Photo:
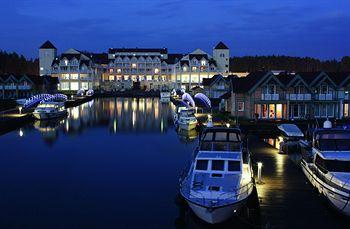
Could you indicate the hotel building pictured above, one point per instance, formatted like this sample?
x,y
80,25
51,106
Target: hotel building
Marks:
x,y
122,68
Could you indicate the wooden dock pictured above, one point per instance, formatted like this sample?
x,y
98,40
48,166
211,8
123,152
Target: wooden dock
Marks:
x,y
286,199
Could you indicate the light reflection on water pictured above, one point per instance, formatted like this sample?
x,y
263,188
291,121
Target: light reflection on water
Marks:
x,y
114,114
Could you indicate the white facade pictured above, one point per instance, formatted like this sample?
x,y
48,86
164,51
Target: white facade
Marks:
x,y
47,53
75,71
221,55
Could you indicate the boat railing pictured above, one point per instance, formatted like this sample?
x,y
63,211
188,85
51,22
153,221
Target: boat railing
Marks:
x,y
236,194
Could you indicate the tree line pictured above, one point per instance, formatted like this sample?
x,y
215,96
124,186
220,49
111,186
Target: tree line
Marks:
x,y
287,63
17,64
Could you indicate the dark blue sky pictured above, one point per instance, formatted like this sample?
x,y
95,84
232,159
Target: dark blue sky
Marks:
x,y
317,28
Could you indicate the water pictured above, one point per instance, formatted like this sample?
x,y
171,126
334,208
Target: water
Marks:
x,y
111,163
115,163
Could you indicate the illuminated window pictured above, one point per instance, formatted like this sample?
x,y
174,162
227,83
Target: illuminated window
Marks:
x,y
133,65
111,70
194,68
74,86
185,69
119,70
66,62
203,62
74,76
111,78
41,68
156,70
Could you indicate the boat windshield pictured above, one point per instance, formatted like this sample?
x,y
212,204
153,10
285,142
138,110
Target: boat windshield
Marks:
x,y
338,166
221,141
336,142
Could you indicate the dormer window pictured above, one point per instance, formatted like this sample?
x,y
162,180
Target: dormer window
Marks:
x,y
185,69
203,62
270,89
66,62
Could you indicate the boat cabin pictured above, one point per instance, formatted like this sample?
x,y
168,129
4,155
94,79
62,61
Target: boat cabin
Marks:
x,y
221,139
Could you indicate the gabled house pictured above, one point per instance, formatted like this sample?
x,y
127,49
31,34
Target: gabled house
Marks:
x,y
265,95
216,86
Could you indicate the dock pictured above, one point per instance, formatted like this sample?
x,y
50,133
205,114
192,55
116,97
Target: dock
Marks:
x,y
13,118
286,199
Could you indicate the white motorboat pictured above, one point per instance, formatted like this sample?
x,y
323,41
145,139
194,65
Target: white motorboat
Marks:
x,y
289,138
185,119
326,164
165,95
220,178
49,110
187,122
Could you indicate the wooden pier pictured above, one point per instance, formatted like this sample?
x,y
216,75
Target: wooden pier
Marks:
x,y
286,199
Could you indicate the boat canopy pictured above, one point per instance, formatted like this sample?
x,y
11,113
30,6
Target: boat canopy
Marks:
x,y
290,130
203,99
188,98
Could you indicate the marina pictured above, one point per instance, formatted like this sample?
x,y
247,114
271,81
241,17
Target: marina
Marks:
x,y
99,167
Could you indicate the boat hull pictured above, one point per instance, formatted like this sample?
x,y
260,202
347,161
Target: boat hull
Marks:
x,y
187,126
45,115
216,215
338,199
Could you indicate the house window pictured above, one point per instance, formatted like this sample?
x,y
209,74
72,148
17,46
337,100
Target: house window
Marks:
x,y
156,70
279,111
346,110
240,106
111,78
272,111
185,69
111,70
133,65
264,111
203,62
194,68
324,89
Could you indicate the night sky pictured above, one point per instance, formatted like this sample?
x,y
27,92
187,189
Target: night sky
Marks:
x,y
316,28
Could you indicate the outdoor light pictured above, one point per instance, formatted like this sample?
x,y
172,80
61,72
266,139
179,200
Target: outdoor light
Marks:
x,y
259,172
20,110
228,125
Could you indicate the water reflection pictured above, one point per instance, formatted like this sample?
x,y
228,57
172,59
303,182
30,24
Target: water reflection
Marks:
x,y
116,115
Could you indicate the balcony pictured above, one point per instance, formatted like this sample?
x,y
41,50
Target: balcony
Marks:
x,y
324,96
272,97
24,87
10,87
299,97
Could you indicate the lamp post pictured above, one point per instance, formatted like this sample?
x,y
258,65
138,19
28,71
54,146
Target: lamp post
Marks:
x,y
259,173
20,110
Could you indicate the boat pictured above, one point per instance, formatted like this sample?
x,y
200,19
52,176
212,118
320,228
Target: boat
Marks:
x,y
289,137
220,178
325,162
185,119
165,95
90,92
49,110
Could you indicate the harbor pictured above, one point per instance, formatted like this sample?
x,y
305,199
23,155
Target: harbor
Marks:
x,y
99,167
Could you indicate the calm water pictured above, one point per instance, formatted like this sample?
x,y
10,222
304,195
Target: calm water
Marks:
x,y
115,163
111,163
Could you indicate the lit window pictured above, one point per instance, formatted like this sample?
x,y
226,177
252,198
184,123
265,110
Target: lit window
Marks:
x,y
133,65
156,70
41,68
240,106
119,70
111,70
184,69
65,62
203,62
194,68
111,78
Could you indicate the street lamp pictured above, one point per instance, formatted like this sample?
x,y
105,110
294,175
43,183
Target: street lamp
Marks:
x,y
20,110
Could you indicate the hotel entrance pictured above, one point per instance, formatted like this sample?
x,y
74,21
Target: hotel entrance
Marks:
x,y
270,111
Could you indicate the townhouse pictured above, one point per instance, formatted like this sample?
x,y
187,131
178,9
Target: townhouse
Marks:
x,y
23,86
265,95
